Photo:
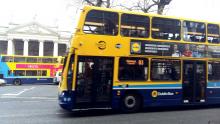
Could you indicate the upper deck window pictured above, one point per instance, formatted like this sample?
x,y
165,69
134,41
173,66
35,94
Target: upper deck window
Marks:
x,y
31,59
49,60
164,28
101,22
194,31
213,33
19,59
7,59
134,25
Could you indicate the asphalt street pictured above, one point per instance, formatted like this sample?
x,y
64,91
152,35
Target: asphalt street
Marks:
x,y
37,104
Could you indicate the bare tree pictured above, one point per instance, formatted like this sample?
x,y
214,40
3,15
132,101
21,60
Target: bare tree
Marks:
x,y
99,3
161,5
147,5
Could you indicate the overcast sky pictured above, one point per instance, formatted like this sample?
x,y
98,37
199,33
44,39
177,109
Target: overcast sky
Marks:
x,y
61,13
196,9
47,12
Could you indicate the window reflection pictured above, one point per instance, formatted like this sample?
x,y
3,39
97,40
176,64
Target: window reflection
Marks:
x,y
135,25
165,70
213,71
101,22
164,28
213,33
133,69
194,31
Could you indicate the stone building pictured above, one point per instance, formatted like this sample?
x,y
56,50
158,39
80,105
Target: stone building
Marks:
x,y
33,39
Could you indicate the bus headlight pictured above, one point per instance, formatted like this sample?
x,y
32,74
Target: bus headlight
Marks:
x,y
65,97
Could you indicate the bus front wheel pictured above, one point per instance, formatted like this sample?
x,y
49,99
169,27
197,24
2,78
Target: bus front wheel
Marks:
x,y
17,82
131,103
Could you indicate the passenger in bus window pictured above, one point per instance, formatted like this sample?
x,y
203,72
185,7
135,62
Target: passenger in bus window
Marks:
x,y
109,27
173,73
176,52
187,52
207,53
196,52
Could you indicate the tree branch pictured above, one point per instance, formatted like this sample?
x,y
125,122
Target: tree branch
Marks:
x,y
99,3
149,7
156,1
89,2
127,8
108,3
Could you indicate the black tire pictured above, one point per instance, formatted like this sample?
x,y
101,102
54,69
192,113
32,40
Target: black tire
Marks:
x,y
131,103
17,82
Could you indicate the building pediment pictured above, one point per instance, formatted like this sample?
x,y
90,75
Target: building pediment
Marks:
x,y
32,28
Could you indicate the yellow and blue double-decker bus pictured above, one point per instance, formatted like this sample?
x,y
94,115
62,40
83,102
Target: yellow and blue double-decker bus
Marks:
x,y
19,70
128,60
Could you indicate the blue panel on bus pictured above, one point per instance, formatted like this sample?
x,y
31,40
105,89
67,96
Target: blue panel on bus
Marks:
x,y
30,80
213,92
152,97
156,86
213,84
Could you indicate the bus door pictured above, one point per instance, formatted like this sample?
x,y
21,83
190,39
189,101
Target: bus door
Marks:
x,y
94,81
194,81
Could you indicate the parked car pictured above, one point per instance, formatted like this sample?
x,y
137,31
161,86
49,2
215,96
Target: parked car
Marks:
x,y
2,82
57,77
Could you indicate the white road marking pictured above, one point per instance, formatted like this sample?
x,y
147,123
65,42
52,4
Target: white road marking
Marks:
x,y
40,98
30,101
19,93
24,115
63,113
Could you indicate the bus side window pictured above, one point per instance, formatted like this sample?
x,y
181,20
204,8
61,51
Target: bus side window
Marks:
x,y
10,73
133,69
7,59
44,73
213,71
135,25
165,70
194,31
213,33
164,28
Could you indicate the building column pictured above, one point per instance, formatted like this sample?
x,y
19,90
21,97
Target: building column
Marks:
x,y
41,48
10,49
55,49
25,50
